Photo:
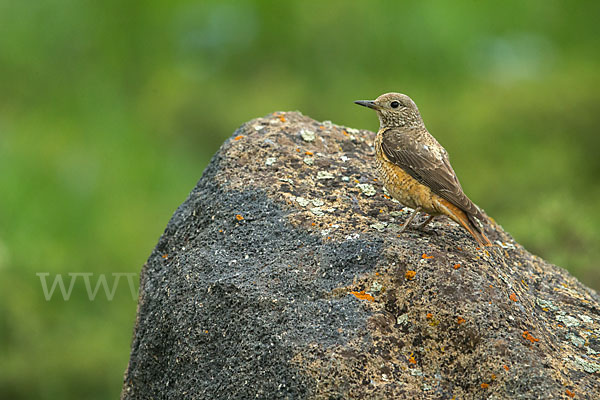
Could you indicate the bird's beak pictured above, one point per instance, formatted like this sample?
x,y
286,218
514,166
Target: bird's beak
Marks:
x,y
367,103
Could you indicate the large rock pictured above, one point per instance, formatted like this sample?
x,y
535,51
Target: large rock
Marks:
x,y
283,276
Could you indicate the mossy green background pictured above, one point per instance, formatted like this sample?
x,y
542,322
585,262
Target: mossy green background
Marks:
x,y
110,110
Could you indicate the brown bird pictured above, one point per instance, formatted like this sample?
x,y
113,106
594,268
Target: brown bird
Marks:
x,y
415,168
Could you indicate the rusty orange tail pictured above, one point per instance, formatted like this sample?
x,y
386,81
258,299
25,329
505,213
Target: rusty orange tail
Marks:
x,y
460,217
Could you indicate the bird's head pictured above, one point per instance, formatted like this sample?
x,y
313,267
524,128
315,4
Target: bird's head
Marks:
x,y
394,110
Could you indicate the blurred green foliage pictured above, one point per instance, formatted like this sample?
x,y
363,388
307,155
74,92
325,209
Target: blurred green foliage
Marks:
x,y
110,110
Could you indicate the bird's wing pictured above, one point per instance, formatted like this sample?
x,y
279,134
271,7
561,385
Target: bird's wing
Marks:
x,y
425,166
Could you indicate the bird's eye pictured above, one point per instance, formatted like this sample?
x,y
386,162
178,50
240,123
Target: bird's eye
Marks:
x,y
394,104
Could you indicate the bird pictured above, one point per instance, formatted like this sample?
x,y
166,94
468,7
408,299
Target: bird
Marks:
x,y
415,168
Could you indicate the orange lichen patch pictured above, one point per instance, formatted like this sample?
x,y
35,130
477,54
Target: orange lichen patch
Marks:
x,y
458,248
411,359
313,224
238,137
386,196
460,320
344,132
505,367
362,295
493,376
569,393
429,316
239,217
426,257
165,256
308,153
513,297
374,179
491,285
485,386
456,266
410,275
298,150
529,337
281,118
321,127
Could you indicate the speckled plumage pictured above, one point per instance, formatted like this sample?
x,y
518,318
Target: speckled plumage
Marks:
x,y
415,168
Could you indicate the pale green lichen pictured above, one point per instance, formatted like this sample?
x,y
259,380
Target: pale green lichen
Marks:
x,y
308,160
324,175
587,366
576,340
353,236
546,304
302,201
288,180
367,189
317,211
505,245
586,319
307,136
270,161
567,320
395,228
317,202
380,226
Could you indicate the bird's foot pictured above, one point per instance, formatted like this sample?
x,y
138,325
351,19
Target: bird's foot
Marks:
x,y
423,224
409,220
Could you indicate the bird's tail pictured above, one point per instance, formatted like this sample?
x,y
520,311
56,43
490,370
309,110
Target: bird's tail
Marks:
x,y
476,231
467,221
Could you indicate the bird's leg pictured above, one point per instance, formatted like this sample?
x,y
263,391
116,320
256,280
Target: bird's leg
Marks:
x,y
423,224
410,218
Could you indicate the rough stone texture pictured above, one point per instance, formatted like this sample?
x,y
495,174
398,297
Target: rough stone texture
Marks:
x,y
283,276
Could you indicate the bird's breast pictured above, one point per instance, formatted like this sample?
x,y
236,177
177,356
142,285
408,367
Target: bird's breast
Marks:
x,y
401,185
